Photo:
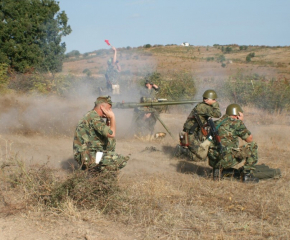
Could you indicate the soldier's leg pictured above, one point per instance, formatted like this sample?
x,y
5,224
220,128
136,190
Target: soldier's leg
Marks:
x,y
112,162
249,152
228,160
87,159
193,147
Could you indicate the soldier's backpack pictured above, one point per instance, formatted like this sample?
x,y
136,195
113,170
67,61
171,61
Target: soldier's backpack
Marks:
x,y
263,171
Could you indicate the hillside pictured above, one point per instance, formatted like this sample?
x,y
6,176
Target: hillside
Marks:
x,y
157,196
203,62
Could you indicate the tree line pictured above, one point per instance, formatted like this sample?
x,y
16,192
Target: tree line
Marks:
x,y
31,33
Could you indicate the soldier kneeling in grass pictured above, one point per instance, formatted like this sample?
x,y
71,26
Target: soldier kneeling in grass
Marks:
x,y
94,140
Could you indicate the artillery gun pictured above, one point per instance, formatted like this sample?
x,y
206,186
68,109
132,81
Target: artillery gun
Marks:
x,y
150,103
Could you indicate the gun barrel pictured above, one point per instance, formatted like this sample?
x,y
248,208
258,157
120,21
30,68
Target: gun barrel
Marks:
x,y
151,104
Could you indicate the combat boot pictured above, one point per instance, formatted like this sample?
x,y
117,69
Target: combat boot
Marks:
x,y
248,177
179,151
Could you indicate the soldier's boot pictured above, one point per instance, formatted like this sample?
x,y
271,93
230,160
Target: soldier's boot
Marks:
x,y
179,151
248,177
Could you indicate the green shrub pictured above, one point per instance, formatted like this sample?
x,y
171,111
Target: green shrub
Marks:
x,y
228,50
209,59
3,77
271,95
87,72
221,58
181,85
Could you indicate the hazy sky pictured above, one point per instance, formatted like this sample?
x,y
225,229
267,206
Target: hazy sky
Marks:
x,y
200,22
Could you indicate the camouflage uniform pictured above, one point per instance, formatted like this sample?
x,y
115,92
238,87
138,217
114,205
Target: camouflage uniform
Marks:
x,y
146,126
195,136
230,130
91,137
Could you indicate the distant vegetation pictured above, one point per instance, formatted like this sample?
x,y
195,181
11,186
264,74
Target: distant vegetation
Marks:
x,y
176,82
31,33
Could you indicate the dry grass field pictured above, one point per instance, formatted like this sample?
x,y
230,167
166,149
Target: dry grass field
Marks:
x,y
158,196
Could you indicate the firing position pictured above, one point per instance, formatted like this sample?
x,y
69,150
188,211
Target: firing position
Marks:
x,y
94,140
145,118
230,128
194,132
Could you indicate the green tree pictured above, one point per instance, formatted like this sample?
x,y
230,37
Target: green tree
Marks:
x,y
31,32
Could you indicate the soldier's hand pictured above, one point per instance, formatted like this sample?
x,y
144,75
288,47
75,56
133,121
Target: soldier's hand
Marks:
x,y
147,115
114,48
107,112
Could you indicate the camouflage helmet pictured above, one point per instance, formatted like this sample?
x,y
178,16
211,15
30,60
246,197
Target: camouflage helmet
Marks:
x,y
234,109
211,94
103,99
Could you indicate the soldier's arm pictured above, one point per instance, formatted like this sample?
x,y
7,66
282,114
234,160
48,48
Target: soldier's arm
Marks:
x,y
243,132
209,110
115,55
112,122
215,110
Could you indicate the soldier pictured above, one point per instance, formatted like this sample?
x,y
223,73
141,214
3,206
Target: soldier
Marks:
x,y
145,118
94,140
209,107
231,128
112,74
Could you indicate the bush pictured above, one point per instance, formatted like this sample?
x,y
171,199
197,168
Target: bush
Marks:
x,y
243,47
181,87
221,58
271,95
228,50
209,59
39,184
87,72
147,46
250,56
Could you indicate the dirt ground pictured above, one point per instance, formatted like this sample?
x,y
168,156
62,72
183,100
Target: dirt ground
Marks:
x,y
34,146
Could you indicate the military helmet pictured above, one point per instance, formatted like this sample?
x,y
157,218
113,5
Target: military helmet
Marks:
x,y
148,82
234,109
211,94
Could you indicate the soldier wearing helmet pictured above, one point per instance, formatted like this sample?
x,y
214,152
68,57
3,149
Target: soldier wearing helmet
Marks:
x,y
231,128
112,74
209,107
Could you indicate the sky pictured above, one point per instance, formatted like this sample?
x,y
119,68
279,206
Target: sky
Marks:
x,y
135,23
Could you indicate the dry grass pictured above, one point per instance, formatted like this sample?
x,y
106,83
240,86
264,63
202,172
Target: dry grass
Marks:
x,y
182,204
269,62
155,196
